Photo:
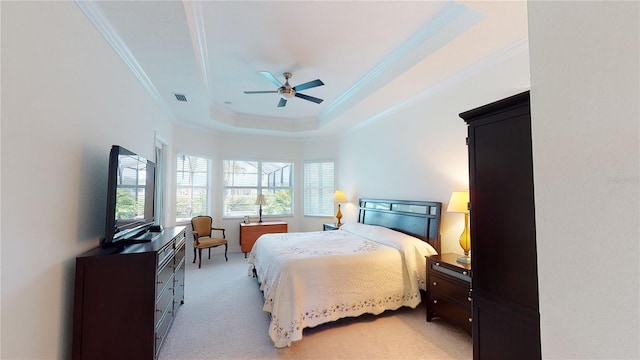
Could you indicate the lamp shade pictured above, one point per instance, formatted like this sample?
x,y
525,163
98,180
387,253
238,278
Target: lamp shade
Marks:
x,y
260,200
459,202
340,197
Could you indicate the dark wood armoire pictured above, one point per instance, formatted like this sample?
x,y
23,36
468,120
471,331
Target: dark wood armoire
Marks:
x,y
506,319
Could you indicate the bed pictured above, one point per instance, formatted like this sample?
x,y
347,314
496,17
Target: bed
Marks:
x,y
371,266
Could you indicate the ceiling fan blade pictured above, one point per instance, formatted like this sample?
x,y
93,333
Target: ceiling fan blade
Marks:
x,y
310,98
261,92
271,78
282,102
308,85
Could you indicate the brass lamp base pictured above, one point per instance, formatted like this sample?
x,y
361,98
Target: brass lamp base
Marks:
x,y
339,216
465,242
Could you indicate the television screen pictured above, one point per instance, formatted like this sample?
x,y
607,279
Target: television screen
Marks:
x,y
130,197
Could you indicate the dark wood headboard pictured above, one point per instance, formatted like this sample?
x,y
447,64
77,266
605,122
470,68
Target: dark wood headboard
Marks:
x,y
420,219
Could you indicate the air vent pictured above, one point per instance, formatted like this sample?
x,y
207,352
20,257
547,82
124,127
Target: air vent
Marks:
x,y
181,97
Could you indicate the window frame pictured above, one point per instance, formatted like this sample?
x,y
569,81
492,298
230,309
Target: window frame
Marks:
x,y
260,188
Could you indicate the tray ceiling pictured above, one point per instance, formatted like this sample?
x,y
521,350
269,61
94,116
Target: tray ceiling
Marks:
x,y
372,56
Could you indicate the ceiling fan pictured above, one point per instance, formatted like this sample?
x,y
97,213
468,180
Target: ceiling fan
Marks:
x,y
286,91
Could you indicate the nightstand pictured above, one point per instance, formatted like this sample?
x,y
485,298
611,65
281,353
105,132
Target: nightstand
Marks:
x,y
249,233
329,226
449,290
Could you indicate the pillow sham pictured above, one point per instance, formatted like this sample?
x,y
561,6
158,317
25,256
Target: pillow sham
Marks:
x,y
413,249
390,237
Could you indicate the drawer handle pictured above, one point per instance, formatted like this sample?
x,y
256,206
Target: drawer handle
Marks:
x,y
469,298
470,320
160,282
158,310
464,273
435,301
435,283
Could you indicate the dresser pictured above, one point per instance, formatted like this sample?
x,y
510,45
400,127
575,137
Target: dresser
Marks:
x,y
449,290
249,233
506,318
126,297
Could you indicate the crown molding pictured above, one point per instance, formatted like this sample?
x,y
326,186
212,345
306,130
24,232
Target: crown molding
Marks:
x,y
195,20
510,51
451,21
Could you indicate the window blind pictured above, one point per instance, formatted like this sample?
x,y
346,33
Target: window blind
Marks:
x,y
319,178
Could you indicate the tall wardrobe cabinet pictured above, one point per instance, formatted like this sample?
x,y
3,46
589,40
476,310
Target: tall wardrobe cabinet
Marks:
x,y
506,319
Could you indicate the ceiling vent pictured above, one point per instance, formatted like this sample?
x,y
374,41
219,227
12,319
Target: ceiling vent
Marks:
x,y
181,97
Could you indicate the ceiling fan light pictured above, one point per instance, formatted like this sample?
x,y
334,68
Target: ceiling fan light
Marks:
x,y
286,93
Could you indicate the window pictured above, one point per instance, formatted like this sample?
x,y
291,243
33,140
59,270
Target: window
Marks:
x,y
318,188
244,180
191,187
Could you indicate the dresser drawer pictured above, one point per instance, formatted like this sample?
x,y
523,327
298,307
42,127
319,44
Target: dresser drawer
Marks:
x,y
180,239
178,281
163,328
165,253
452,271
163,277
164,299
453,311
252,233
180,252
456,290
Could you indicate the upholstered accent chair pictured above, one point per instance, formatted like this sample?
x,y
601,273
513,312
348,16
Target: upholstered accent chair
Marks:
x,y
204,239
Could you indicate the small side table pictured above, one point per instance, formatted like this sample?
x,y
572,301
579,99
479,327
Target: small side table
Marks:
x,y
449,290
249,233
329,226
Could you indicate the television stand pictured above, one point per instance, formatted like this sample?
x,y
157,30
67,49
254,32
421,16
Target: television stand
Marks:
x,y
125,299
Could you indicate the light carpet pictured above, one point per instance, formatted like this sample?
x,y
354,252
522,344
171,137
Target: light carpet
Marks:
x,y
222,318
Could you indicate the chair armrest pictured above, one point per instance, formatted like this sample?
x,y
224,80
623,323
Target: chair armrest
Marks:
x,y
195,236
220,229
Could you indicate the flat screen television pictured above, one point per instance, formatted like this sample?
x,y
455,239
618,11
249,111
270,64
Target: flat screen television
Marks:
x,y
130,198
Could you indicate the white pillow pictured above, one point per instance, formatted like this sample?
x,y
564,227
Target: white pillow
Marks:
x,y
390,237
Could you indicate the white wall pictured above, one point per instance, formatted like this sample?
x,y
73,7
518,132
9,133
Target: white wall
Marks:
x,y
585,125
419,152
66,98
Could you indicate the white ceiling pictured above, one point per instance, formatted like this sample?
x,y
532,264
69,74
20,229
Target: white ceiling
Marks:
x,y
371,56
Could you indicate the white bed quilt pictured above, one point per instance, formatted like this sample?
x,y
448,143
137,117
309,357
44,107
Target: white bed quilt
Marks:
x,y
316,277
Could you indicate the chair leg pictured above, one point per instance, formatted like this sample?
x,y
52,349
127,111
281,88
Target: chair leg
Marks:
x,y
200,258
225,253
209,253
194,255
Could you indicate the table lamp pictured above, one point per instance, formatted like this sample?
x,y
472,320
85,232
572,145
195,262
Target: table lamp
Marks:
x,y
339,197
459,203
260,201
